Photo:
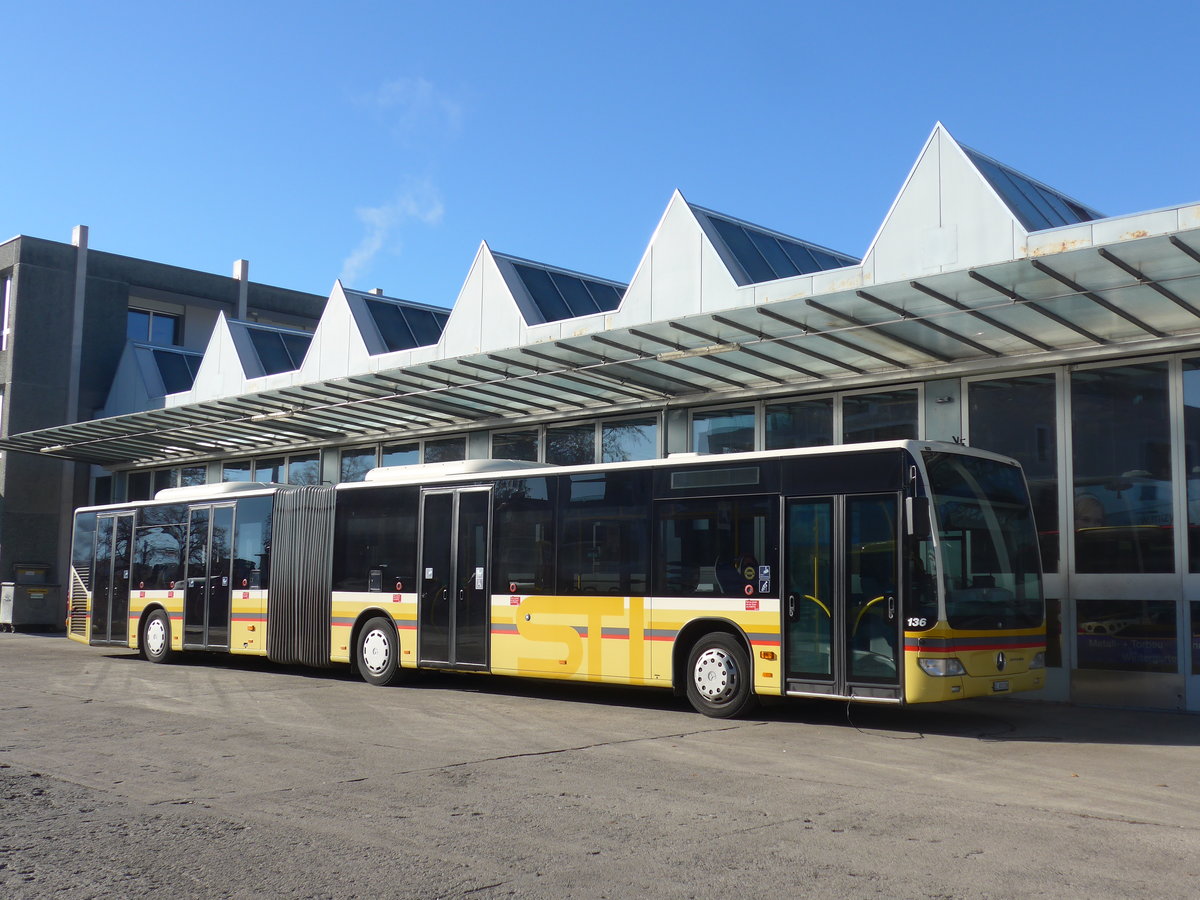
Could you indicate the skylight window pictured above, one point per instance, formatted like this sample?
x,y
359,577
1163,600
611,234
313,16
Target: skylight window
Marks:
x,y
279,351
1036,206
562,295
178,370
766,256
405,327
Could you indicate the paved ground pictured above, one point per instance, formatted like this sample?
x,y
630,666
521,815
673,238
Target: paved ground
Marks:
x,y
221,777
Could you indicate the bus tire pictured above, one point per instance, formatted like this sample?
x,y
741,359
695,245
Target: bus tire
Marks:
x,y
719,677
156,637
378,651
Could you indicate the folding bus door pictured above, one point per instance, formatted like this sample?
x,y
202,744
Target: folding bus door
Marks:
x,y
454,597
206,605
842,603
110,579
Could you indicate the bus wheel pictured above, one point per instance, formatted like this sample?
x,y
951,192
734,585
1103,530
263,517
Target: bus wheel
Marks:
x,y
378,654
719,677
156,638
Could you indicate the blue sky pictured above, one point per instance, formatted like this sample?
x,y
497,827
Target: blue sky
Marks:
x,y
380,142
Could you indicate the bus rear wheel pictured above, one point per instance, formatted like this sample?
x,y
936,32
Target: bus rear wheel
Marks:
x,y
378,655
719,677
156,638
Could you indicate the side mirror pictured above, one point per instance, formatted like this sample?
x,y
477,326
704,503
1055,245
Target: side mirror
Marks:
x,y
916,517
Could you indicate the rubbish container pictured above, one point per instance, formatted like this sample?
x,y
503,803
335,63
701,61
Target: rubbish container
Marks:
x,y
30,600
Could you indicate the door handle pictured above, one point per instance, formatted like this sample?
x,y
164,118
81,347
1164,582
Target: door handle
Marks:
x,y
791,606
891,607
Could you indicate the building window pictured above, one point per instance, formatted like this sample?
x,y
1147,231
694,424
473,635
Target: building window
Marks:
x,y
150,326
571,445
305,469
881,416
137,486
236,470
723,430
356,463
408,454
6,322
1191,455
446,450
190,476
628,440
799,423
1126,635
1121,449
516,445
1016,417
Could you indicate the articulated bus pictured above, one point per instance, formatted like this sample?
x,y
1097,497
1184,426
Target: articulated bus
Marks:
x,y
895,572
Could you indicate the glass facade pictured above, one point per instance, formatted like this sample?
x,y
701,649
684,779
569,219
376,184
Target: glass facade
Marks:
x,y
1126,635
1121,450
723,430
883,416
633,439
1191,455
1016,417
446,450
571,445
408,454
516,445
799,423
356,462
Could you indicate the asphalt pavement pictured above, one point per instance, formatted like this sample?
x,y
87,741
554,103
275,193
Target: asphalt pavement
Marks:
x,y
233,777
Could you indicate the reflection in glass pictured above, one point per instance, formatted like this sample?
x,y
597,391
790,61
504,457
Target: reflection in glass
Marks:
x,y
400,454
237,470
191,476
1196,637
516,445
988,544
627,440
1191,449
810,600
356,463
1126,635
723,430
1016,417
446,450
304,469
884,416
269,470
802,423
1121,448
571,445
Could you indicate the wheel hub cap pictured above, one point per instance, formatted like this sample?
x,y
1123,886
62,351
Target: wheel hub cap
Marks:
x,y
155,637
715,675
375,651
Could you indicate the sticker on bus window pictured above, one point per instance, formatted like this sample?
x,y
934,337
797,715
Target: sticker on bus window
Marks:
x,y
751,605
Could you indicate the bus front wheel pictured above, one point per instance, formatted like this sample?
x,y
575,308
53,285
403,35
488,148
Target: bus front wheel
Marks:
x,y
156,638
378,654
719,677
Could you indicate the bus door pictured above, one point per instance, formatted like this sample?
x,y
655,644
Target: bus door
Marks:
x,y
209,572
455,600
110,578
842,600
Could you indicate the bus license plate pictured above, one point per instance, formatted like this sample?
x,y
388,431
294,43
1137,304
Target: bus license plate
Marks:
x,y
999,686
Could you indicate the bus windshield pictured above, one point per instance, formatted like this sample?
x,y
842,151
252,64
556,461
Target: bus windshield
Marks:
x,y
989,553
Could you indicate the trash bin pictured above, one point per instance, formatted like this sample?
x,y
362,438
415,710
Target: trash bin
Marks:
x,y
29,600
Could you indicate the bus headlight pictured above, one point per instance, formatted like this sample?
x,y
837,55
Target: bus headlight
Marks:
x,y
1038,661
940,668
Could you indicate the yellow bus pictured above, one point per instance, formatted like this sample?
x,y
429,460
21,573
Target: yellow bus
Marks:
x,y
895,572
